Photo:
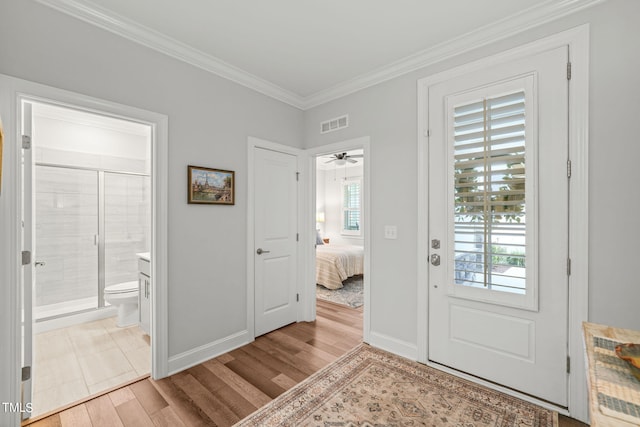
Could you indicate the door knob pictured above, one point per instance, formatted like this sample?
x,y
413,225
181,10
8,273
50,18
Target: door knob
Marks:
x,y
40,263
435,259
260,251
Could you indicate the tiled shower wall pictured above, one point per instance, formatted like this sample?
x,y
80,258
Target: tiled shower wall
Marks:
x,y
67,222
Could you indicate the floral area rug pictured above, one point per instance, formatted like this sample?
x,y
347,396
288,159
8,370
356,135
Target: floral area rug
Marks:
x,y
369,387
350,294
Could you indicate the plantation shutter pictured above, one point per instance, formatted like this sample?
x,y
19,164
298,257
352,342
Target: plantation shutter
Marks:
x,y
351,201
489,193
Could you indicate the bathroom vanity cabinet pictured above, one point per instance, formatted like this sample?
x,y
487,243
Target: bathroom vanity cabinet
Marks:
x,y
144,292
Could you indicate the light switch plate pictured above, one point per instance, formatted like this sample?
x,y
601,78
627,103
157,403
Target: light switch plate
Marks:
x,y
390,232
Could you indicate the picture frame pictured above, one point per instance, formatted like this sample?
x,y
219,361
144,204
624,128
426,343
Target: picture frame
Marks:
x,y
208,186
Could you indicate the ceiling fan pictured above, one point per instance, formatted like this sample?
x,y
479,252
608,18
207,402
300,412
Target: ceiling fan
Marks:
x,y
342,158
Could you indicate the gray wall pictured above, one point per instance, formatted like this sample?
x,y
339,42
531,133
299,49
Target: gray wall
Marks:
x,y
388,113
209,121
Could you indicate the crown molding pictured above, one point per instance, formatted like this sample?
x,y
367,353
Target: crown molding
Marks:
x,y
150,38
483,36
535,16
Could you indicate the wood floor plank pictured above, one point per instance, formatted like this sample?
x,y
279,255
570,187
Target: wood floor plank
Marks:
x,y
215,410
76,416
285,381
51,421
276,363
231,399
253,374
166,417
182,404
287,355
102,412
121,396
148,396
307,353
245,357
256,397
333,348
132,414
224,358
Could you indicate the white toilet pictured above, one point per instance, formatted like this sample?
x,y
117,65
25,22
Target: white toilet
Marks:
x,y
125,297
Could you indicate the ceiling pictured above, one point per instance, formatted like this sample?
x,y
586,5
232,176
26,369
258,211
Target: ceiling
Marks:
x,y
307,52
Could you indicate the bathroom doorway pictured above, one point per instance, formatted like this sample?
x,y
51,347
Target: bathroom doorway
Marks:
x,y
90,224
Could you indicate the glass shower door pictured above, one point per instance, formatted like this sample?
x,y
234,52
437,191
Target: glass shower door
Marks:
x,y
66,236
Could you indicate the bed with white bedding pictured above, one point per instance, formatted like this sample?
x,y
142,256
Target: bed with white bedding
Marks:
x,y
336,263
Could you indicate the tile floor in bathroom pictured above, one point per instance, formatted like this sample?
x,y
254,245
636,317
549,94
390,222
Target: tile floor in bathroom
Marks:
x,y
75,362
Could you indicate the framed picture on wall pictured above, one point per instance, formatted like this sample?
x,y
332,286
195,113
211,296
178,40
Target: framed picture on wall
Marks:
x,y
210,186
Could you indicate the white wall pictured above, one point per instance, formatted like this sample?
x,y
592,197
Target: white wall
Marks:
x,y
329,196
209,121
388,113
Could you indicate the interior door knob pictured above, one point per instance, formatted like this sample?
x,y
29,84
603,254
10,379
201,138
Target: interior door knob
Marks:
x,y
260,251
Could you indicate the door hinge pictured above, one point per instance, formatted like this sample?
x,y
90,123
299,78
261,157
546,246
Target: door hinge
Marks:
x,y
568,70
297,297
297,176
26,257
26,373
26,142
568,364
427,133
568,266
297,237
568,168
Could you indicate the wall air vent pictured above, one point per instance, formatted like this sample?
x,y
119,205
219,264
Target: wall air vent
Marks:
x,y
334,124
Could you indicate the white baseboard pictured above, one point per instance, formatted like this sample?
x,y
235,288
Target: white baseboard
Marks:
x,y
394,345
193,357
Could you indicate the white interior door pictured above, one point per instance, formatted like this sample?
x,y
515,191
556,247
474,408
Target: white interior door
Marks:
x,y
275,248
28,225
498,224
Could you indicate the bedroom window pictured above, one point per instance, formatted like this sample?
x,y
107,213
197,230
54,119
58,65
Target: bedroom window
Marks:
x,y
351,205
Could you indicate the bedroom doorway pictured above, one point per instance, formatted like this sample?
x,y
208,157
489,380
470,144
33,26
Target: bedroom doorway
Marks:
x,y
341,216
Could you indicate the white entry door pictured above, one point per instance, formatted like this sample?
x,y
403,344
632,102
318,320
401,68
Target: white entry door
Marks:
x,y
498,224
275,248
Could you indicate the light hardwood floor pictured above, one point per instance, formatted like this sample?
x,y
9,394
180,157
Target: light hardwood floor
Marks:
x,y
224,390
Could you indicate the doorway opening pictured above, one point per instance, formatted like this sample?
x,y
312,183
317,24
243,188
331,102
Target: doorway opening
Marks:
x,y
340,235
87,211
340,201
